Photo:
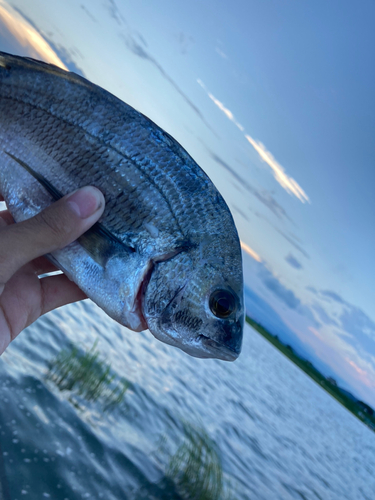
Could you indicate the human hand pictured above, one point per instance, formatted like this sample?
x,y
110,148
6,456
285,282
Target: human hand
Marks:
x,y
23,296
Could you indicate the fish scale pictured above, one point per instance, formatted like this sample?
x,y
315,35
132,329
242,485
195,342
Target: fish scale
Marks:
x,y
165,255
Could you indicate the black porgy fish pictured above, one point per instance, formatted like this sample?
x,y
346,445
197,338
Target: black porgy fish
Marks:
x,y
165,255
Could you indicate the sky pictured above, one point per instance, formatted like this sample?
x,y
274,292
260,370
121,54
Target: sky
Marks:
x,y
275,101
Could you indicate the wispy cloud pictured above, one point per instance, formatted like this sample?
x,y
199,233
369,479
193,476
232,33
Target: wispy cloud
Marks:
x,y
263,196
115,13
221,106
315,332
324,317
283,293
363,374
221,53
139,51
27,36
241,212
89,13
293,261
333,295
250,251
350,333
293,242
288,183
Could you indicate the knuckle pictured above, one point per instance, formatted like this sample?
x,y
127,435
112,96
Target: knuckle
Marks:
x,y
49,220
3,274
56,222
6,270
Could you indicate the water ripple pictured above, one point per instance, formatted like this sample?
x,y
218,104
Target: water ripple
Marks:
x,y
278,434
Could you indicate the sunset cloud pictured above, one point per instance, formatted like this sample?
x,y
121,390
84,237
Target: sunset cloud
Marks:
x,y
27,36
364,373
250,251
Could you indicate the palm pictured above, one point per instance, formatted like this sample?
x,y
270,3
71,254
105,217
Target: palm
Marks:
x,y
25,297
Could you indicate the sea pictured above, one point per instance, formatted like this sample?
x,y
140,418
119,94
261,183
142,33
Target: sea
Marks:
x,y
181,428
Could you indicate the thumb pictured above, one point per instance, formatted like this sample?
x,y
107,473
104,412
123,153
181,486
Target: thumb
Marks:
x,y
55,227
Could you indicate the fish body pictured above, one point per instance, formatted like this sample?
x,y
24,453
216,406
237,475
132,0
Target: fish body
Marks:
x,y
165,254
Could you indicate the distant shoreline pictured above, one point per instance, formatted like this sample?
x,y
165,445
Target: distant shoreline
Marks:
x,y
359,409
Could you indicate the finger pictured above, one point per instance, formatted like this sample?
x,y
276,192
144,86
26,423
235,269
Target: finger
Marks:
x,y
5,218
42,265
39,266
58,291
18,312
53,228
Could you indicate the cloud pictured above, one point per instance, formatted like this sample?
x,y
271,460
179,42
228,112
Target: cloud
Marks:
x,y
324,317
293,261
185,42
356,321
277,288
115,13
342,340
264,197
286,182
241,212
27,36
89,13
250,251
355,325
290,238
285,295
263,313
366,375
221,53
139,51
352,334
353,320
221,106
333,295
294,243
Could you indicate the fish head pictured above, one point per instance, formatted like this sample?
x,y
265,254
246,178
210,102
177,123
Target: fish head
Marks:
x,y
195,302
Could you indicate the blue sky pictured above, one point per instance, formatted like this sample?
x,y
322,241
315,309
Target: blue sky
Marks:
x,y
275,101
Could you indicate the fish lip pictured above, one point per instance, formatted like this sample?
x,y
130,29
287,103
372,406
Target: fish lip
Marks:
x,y
226,353
198,346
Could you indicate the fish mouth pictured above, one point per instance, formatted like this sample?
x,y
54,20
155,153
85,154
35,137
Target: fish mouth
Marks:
x,y
218,350
195,344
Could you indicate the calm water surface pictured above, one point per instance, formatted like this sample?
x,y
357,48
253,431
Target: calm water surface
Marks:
x,y
280,436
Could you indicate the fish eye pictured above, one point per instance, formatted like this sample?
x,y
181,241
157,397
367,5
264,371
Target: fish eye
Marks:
x,y
222,303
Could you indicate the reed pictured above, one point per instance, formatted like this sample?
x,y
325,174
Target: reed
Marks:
x,y
196,468
86,374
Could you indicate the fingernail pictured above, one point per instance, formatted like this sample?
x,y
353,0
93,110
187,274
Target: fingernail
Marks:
x,y
86,201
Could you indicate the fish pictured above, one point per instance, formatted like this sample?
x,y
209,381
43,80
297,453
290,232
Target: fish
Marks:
x,y
165,255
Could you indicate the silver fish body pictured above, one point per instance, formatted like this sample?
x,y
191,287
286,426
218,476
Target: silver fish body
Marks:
x,y
166,254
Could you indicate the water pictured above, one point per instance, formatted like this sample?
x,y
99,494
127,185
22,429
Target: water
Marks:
x,y
280,436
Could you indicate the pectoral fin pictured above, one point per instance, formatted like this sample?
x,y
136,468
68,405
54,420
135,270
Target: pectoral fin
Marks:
x,y
55,193
98,241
